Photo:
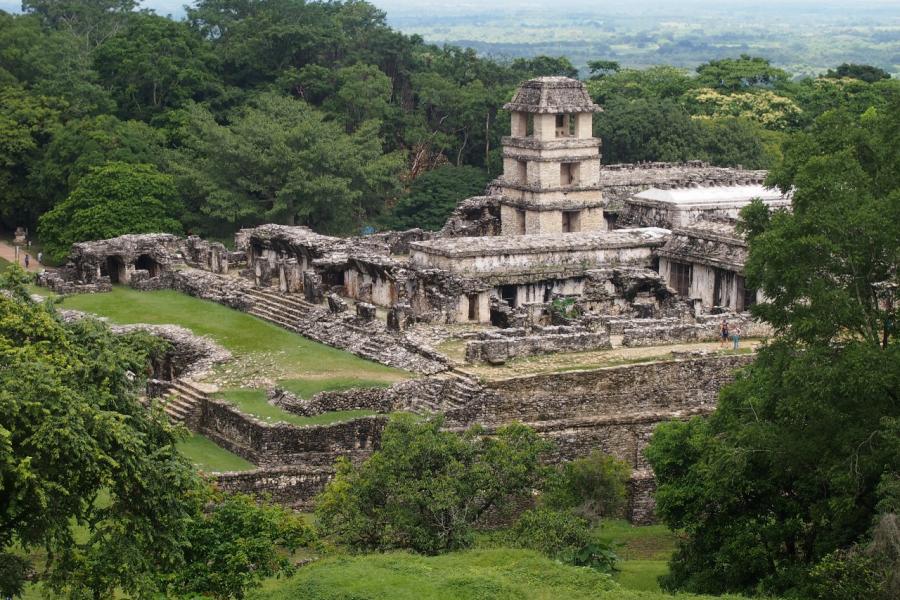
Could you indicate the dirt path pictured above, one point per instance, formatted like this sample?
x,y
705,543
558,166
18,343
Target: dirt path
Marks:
x,y
8,252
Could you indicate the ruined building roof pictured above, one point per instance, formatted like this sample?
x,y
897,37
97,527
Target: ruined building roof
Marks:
x,y
710,242
542,243
552,95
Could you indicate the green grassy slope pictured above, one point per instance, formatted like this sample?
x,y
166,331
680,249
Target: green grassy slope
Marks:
x,y
253,402
261,349
490,574
209,457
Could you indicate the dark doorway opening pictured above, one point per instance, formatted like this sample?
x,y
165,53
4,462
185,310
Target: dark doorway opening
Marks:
x,y
115,268
508,295
146,263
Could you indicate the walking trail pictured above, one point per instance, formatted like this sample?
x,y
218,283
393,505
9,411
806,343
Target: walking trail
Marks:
x,y
8,252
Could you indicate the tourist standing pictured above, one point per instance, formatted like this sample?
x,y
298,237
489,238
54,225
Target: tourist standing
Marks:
x,y
723,334
27,260
40,258
736,337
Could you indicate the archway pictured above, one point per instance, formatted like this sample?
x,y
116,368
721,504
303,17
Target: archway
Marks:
x,y
115,267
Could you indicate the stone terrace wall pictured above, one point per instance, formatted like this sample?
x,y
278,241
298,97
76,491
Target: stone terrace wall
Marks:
x,y
614,409
376,399
277,444
295,485
501,349
706,330
658,388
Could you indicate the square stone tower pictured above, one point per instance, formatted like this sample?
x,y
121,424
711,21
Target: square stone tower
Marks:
x,y
551,161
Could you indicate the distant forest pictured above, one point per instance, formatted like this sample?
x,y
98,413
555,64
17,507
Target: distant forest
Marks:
x,y
804,37
116,120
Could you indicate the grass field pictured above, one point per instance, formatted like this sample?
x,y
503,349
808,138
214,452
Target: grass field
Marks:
x,y
487,574
209,457
262,351
253,402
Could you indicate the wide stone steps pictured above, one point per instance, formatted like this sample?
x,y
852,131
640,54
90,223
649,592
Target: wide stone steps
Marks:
x,y
182,401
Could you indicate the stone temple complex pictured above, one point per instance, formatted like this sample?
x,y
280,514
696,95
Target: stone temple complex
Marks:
x,y
561,255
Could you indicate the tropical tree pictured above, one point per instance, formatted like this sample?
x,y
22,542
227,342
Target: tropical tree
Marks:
x,y
798,465
112,200
426,488
93,477
280,159
433,196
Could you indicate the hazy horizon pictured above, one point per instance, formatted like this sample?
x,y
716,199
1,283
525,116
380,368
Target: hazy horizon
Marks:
x,y
805,37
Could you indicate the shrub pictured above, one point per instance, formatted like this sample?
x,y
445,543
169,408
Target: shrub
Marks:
x,y
594,486
426,488
562,535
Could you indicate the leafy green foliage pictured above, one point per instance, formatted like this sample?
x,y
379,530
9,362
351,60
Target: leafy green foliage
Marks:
x,y
433,196
71,427
866,73
562,535
829,268
26,123
92,142
279,159
112,200
594,486
77,448
801,457
785,471
555,533
236,545
426,488
734,74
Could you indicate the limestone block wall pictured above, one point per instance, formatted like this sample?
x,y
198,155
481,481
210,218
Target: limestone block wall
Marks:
x,y
660,389
500,350
267,444
291,485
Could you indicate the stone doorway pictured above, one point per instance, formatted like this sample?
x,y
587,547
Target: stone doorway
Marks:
x,y
146,263
115,268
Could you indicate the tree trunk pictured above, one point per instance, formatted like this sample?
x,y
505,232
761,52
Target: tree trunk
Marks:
x,y
487,142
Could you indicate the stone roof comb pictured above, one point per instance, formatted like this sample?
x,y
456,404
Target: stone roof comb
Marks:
x,y
552,95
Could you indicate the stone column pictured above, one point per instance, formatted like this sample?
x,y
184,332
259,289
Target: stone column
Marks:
x,y
312,287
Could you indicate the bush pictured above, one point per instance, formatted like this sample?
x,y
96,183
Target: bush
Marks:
x,y
594,486
564,536
426,488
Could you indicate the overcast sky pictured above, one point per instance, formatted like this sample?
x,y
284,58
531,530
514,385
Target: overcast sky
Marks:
x,y
175,7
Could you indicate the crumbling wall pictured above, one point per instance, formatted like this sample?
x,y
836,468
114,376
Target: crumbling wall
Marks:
x,y
291,485
498,349
277,444
474,217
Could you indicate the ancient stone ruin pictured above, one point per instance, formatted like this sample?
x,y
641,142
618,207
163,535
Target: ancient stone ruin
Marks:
x,y
559,256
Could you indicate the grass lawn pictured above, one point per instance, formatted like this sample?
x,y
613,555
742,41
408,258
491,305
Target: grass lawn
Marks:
x,y
307,388
644,552
487,574
261,350
209,457
253,402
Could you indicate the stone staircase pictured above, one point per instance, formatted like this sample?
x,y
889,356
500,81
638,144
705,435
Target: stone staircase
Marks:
x,y
280,309
182,403
368,340
450,390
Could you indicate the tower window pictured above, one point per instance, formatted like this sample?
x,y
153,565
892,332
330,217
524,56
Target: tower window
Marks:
x,y
568,173
571,221
520,221
522,171
564,125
